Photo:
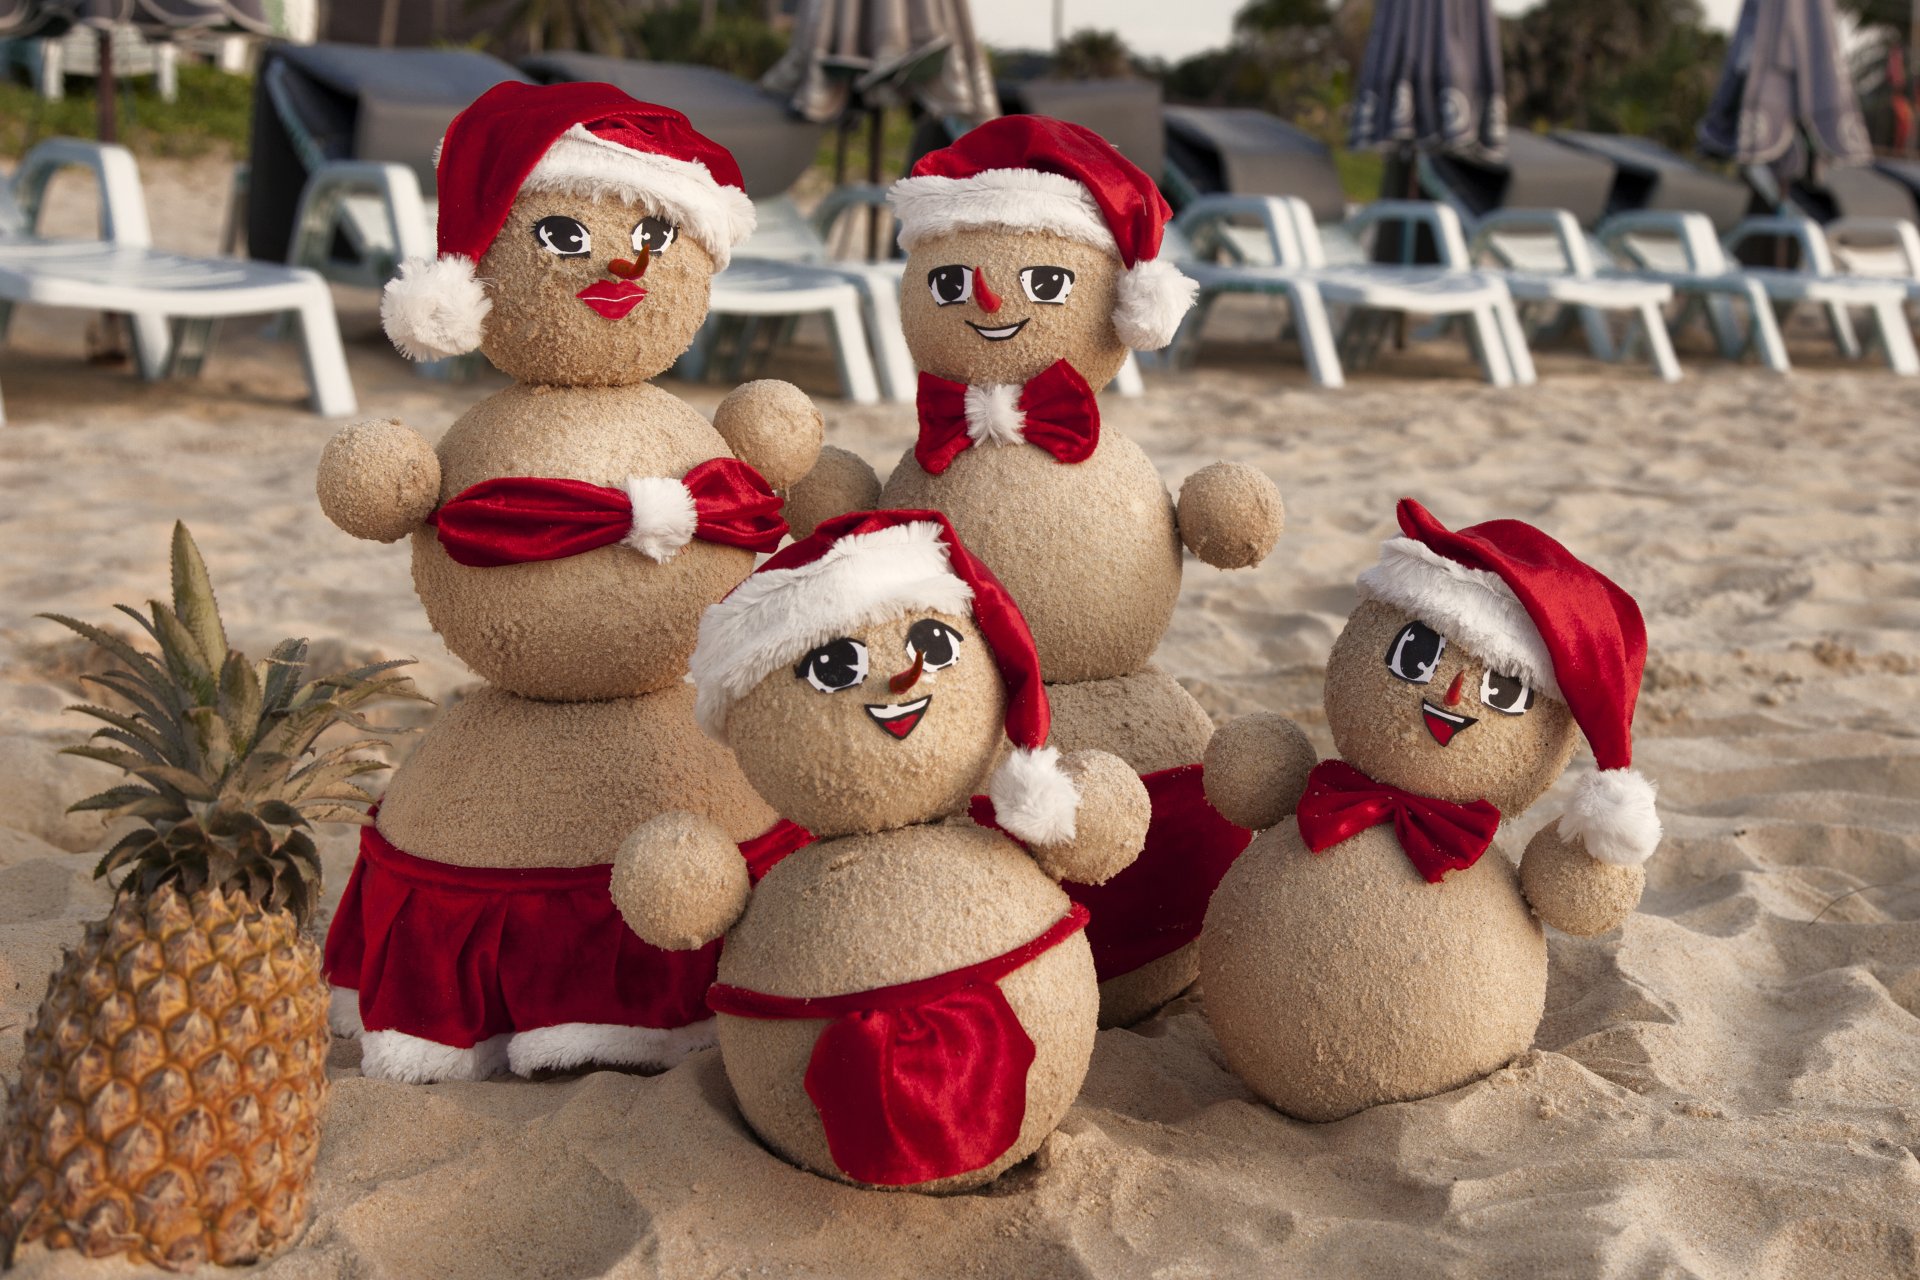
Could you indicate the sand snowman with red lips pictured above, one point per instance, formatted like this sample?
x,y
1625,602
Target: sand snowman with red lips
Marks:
x,y
908,1001
1032,267
566,535
1372,946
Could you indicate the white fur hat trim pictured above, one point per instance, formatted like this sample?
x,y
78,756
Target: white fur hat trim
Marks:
x,y
433,309
684,192
1470,607
1613,817
777,615
1033,798
664,517
1153,294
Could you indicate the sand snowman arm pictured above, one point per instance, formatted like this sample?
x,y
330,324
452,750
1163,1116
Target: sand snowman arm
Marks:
x,y
1109,822
679,881
378,480
840,481
772,427
1256,769
1230,515
1574,891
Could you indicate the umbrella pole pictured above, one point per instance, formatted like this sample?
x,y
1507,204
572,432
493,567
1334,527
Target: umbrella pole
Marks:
x,y
876,128
104,122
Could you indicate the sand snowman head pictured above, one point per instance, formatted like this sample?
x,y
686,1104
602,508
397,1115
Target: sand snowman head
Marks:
x,y
870,676
1475,660
578,232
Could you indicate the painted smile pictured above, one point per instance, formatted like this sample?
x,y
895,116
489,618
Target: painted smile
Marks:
x,y
1444,724
1000,334
612,298
900,718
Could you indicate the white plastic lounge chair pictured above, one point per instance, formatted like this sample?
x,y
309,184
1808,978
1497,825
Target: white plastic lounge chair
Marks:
x,y
1544,257
1885,248
1682,250
172,300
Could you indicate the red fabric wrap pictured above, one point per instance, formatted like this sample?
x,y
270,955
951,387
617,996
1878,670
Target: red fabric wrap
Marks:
x,y
1057,408
517,519
1157,905
917,1081
457,955
1437,836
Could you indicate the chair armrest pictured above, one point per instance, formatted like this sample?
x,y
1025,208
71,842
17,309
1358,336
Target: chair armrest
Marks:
x,y
1693,231
123,207
1815,257
834,205
1558,223
397,189
1275,215
1448,236
1901,231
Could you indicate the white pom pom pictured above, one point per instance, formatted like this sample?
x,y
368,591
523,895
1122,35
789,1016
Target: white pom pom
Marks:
x,y
1033,799
664,517
434,309
1153,298
1612,815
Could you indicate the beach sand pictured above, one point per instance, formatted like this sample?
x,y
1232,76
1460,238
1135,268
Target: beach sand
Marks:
x,y
1725,1088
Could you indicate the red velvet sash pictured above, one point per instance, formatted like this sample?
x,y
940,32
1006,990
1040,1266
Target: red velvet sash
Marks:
x,y
921,1080
519,519
765,851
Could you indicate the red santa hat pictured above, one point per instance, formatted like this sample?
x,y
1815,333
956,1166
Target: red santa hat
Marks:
x,y
1034,173
590,139
1523,604
865,567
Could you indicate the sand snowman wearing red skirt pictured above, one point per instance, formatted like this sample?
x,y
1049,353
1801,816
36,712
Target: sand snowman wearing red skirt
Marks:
x,y
1032,268
1373,946
566,535
909,1001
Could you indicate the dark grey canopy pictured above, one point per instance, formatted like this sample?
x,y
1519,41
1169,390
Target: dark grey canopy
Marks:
x,y
1785,87
1431,78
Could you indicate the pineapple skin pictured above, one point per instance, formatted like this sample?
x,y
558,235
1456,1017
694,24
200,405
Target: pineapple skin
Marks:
x,y
172,1087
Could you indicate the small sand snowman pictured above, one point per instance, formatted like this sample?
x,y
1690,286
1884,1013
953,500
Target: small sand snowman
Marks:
x,y
1032,268
1367,951
909,1001
566,534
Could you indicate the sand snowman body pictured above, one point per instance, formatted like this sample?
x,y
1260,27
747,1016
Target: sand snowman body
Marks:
x,y
1392,988
865,912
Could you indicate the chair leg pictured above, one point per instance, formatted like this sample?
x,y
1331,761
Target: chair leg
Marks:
x,y
1653,325
1840,325
325,359
192,344
1491,346
1519,355
1726,325
1317,345
899,380
850,352
1896,338
1764,330
6,318
692,364
152,344
1127,380
1593,322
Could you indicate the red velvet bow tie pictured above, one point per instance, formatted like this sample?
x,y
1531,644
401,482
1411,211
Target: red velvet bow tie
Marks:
x,y
516,519
1055,411
1437,836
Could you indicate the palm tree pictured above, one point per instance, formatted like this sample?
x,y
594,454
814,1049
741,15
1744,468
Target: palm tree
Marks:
x,y
1093,55
594,26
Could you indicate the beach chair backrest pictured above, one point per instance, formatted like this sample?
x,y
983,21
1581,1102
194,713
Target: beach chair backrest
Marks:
x,y
781,233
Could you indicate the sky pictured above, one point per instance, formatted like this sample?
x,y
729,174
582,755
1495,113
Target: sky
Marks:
x,y
1169,28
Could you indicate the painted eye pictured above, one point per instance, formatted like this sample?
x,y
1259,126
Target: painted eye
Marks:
x,y
1046,284
936,642
835,665
654,234
950,284
562,237
1509,695
1415,652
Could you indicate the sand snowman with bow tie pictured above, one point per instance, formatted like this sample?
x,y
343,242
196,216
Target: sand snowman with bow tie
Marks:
x,y
566,532
1033,266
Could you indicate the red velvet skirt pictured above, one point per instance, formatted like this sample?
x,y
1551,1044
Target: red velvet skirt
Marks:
x,y
457,955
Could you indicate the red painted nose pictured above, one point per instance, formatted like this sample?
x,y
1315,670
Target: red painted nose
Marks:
x,y
1453,690
989,300
911,676
634,269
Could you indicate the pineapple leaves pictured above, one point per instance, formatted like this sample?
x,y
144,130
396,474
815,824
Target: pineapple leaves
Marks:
x,y
229,781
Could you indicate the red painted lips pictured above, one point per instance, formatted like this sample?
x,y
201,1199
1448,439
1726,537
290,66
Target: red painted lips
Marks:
x,y
1444,724
612,298
899,719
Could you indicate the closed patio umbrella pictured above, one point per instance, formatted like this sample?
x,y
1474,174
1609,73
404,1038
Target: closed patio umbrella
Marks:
x,y
1785,97
1431,79
846,53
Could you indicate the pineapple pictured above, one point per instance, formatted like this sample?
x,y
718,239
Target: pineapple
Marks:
x,y
174,1078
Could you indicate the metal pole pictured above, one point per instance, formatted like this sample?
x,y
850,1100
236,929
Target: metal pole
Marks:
x,y
1060,23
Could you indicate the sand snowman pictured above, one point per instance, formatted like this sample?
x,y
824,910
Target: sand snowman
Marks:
x,y
567,532
1369,950
1032,268
909,1001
